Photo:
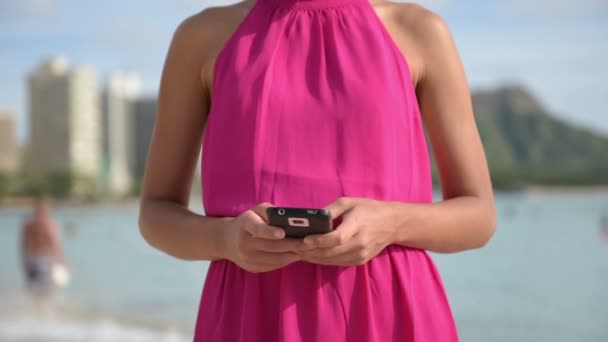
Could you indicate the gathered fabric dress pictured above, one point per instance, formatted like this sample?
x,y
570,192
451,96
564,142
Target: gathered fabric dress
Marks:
x,y
313,101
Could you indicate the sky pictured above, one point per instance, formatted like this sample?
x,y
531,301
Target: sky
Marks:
x,y
558,49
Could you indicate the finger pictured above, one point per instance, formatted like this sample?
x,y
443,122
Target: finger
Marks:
x,y
339,207
326,262
280,246
260,209
255,227
349,258
331,262
264,231
339,236
326,253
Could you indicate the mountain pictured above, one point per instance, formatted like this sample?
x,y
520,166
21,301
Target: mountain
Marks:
x,y
525,144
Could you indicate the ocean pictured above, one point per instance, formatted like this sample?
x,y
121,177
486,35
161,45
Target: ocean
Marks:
x,y
543,277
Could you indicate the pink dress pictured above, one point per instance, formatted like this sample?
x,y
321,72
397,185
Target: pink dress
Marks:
x,y
313,101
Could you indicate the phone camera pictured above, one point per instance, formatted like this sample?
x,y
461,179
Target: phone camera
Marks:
x,y
281,211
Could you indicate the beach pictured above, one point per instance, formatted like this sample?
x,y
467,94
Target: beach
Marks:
x,y
542,278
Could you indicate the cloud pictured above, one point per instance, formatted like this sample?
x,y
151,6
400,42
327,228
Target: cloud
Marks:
x,y
563,61
200,4
26,10
432,4
194,4
134,35
555,8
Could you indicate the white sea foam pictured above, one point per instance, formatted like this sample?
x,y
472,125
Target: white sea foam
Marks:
x,y
32,328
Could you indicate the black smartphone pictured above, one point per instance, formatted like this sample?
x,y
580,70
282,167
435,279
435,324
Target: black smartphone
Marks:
x,y
300,222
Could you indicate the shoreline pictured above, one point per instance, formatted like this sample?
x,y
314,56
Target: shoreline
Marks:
x,y
128,202
564,189
132,201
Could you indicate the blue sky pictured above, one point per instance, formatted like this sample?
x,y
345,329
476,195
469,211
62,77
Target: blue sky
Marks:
x,y
556,48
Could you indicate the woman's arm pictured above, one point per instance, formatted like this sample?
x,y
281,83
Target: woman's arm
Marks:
x,y
165,221
467,216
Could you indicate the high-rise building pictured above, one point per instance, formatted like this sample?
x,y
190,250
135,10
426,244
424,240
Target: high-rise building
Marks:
x,y
64,121
9,155
117,127
144,111
144,117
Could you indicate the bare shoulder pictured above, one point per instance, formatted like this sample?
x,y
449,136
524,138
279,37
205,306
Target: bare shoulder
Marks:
x,y
422,34
212,23
205,33
217,17
420,23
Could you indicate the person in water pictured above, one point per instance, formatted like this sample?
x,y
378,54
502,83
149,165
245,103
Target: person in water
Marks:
x,y
604,227
43,258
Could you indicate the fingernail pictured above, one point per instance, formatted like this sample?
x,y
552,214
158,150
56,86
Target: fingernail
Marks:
x,y
278,234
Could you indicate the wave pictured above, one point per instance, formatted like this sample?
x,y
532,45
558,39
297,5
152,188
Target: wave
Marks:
x,y
55,329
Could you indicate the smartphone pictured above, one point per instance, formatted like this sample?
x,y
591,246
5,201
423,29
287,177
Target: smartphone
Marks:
x,y
300,222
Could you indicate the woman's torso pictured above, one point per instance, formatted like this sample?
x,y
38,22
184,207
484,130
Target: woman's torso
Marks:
x,y
310,106
398,18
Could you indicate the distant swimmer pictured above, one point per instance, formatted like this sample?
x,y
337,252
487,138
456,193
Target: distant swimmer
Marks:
x,y
42,254
71,229
604,227
510,212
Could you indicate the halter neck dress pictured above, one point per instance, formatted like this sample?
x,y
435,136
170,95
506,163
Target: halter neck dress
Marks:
x,y
312,101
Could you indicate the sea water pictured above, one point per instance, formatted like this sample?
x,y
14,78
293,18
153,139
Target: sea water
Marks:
x,y
543,277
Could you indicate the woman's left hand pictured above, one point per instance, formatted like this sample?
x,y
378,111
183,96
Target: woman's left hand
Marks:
x,y
367,227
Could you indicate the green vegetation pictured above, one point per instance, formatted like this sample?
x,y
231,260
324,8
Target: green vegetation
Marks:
x,y
136,189
55,184
5,185
137,186
526,145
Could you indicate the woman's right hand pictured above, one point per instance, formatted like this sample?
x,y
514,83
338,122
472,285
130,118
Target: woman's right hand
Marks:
x,y
257,247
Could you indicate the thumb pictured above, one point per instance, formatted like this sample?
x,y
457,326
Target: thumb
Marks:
x,y
340,207
261,210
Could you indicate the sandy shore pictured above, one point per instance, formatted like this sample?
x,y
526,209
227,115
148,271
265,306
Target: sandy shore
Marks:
x,y
600,189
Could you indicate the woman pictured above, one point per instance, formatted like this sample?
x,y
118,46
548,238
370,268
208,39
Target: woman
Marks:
x,y
311,103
